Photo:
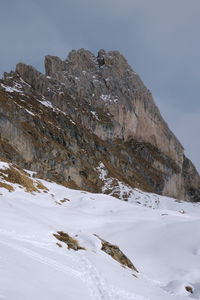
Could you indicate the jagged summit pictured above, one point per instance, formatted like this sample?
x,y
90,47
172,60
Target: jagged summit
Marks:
x,y
102,80
88,114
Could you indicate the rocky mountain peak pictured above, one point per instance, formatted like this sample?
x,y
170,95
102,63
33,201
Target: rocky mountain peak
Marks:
x,y
53,64
84,61
89,111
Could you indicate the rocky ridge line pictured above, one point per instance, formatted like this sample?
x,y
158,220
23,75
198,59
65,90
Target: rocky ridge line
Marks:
x,y
89,110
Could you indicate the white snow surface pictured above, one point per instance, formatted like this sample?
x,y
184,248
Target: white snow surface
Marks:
x,y
108,98
161,241
28,111
95,115
47,103
16,88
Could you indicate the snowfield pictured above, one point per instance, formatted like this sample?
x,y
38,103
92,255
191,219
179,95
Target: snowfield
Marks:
x,y
158,234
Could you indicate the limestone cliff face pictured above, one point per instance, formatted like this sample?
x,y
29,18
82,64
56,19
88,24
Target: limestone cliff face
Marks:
x,y
86,110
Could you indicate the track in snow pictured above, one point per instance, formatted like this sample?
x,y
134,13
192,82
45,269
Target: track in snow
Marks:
x,y
44,260
98,288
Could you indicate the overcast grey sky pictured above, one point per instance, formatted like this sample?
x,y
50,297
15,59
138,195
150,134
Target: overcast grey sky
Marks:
x,y
159,38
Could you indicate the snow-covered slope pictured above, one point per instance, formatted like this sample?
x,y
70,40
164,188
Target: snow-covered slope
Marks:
x,y
158,234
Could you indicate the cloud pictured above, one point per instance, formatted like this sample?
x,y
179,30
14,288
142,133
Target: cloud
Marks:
x,y
27,35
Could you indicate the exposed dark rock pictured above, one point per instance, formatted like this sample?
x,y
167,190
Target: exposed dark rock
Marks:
x,y
115,252
68,240
189,289
86,110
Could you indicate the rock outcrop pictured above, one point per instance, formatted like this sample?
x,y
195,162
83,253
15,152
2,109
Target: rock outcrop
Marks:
x,y
89,110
